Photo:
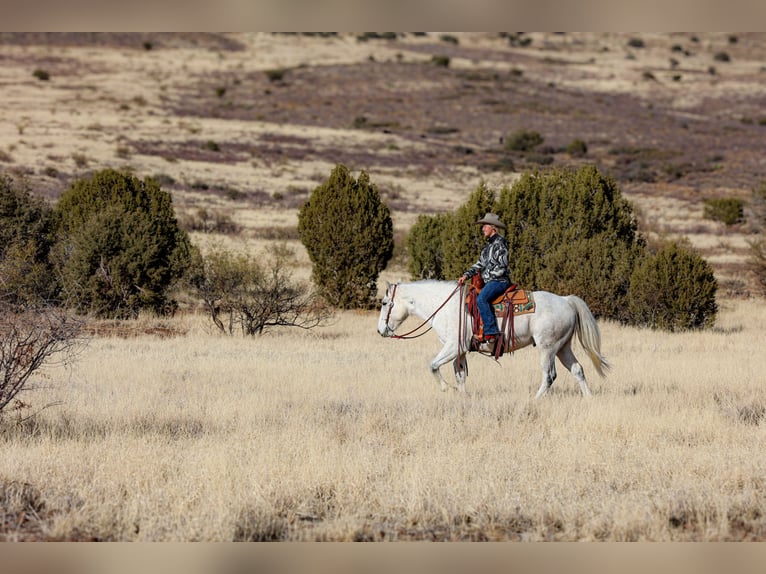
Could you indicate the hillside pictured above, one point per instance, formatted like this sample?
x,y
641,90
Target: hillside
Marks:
x,y
248,124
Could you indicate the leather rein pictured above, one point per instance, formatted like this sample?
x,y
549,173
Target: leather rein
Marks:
x,y
409,334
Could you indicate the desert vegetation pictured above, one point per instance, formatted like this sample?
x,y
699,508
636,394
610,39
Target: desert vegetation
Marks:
x,y
181,201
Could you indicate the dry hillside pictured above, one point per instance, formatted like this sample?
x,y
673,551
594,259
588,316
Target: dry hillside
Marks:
x,y
248,124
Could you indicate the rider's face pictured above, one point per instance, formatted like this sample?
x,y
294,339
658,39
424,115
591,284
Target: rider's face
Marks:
x,y
487,229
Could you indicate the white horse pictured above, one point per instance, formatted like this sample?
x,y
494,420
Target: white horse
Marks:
x,y
550,328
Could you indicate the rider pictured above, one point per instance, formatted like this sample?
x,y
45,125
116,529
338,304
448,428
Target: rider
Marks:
x,y
493,266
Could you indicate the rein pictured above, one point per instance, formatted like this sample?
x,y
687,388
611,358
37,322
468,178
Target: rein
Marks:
x,y
409,334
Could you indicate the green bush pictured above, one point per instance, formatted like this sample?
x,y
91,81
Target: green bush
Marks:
x,y
577,148
440,60
462,240
597,268
119,247
424,247
571,231
523,140
348,233
673,290
26,226
445,245
727,210
548,213
276,74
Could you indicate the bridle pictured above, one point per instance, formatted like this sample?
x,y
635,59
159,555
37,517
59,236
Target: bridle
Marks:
x,y
409,334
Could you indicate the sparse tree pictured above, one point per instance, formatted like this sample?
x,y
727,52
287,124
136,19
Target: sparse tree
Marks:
x,y
240,294
29,339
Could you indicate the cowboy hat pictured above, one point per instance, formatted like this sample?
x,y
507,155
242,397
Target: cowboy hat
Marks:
x,y
492,219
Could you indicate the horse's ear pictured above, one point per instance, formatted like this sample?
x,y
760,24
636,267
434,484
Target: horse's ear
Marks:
x,y
388,286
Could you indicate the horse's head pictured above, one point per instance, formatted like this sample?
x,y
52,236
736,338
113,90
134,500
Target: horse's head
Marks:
x,y
393,310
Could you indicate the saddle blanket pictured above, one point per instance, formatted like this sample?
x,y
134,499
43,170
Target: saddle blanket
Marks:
x,y
523,302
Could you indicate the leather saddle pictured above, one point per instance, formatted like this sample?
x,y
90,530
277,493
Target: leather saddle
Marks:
x,y
513,301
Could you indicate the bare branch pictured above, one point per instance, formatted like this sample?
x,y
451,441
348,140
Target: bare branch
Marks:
x,y
29,339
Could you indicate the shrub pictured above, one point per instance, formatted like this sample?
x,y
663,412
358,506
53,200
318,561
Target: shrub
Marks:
x,y
444,246
41,75
597,268
636,43
523,140
549,214
539,158
571,231
276,74
210,221
424,247
253,298
462,239
756,263
758,207
440,60
26,226
673,290
727,210
348,233
721,57
119,247
577,148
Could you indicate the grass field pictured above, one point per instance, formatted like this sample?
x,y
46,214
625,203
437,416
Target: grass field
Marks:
x,y
164,430
337,434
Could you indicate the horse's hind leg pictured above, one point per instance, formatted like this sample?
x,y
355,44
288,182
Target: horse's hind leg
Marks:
x,y
548,367
568,359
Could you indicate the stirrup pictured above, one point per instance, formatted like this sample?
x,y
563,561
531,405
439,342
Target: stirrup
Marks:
x,y
488,344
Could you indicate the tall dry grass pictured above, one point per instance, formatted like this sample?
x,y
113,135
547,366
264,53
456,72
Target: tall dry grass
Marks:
x,y
338,434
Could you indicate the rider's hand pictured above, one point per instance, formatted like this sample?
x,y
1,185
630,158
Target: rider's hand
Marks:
x,y
461,280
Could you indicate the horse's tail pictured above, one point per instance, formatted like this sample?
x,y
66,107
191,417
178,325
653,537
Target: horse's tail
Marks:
x,y
589,334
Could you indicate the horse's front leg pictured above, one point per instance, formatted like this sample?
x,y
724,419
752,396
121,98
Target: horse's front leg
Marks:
x,y
447,354
460,364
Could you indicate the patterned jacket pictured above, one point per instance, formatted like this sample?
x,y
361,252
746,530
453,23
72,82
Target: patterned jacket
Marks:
x,y
493,262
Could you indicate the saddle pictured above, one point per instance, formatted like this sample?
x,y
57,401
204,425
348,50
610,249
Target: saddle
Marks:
x,y
512,302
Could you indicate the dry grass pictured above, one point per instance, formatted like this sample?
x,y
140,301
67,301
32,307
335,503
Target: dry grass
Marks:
x,y
337,434
168,431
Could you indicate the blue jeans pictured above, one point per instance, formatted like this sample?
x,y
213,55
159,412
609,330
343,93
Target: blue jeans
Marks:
x,y
490,291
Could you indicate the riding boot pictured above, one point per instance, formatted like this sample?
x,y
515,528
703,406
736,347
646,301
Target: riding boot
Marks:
x,y
487,344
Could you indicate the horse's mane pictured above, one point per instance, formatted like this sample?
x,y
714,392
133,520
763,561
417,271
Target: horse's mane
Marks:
x,y
432,282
